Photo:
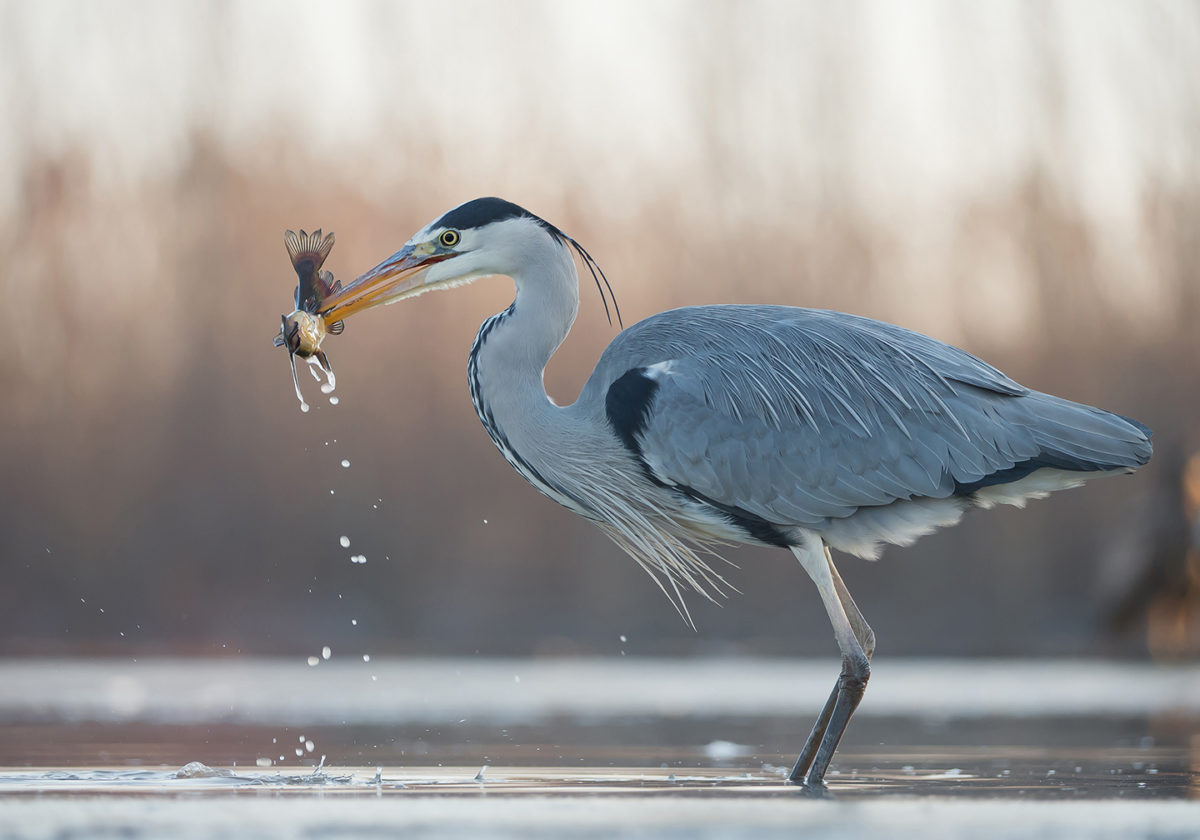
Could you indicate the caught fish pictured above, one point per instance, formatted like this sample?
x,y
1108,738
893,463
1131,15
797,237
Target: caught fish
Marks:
x,y
305,328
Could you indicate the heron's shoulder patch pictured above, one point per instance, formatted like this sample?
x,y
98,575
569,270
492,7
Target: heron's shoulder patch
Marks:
x,y
627,405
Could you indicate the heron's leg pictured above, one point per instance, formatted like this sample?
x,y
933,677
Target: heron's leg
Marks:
x,y
857,643
862,630
866,639
814,736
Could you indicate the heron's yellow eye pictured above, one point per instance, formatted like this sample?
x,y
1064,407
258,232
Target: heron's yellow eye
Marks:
x,y
449,238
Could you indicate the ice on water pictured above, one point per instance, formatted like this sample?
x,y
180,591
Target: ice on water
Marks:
x,y
197,770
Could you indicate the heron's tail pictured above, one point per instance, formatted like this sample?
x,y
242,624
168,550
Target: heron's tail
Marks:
x,y
1073,442
1080,438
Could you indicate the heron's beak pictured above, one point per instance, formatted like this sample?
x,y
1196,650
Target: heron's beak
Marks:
x,y
400,275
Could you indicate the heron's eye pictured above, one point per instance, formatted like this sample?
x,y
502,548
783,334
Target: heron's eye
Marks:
x,y
449,238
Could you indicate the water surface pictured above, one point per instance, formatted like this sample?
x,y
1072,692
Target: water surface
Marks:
x,y
281,749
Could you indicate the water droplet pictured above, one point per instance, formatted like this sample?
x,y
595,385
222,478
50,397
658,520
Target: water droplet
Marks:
x,y
303,407
313,661
328,387
366,657
345,541
345,463
354,621
326,652
309,745
623,639
334,400
262,762
299,751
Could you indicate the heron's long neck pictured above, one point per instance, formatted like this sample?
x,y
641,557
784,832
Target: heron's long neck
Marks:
x,y
512,348
506,366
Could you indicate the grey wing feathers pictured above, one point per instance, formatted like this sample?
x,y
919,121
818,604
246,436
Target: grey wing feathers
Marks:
x,y
800,416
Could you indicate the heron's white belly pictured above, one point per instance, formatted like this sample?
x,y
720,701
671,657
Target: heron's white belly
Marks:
x,y
902,522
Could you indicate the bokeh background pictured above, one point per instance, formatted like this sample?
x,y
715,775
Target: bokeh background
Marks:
x,y
1018,178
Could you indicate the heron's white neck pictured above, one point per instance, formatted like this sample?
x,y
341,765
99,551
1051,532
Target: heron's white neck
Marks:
x,y
513,347
506,367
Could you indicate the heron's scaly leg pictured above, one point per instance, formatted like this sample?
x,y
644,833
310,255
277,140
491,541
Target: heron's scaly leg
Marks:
x,y
866,639
857,643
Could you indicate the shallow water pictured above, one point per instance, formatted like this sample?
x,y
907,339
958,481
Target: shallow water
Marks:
x,y
1044,758
97,749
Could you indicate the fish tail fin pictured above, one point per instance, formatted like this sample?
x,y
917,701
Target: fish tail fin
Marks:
x,y
308,247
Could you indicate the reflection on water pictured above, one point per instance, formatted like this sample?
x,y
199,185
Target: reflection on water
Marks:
x,y
998,776
258,748
1053,759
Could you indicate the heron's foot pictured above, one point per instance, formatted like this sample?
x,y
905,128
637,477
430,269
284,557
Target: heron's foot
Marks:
x,y
820,790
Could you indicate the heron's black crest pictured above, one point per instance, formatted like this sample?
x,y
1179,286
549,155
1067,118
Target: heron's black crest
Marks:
x,y
485,211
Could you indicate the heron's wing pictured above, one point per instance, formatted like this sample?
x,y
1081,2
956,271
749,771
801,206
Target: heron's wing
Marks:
x,y
798,416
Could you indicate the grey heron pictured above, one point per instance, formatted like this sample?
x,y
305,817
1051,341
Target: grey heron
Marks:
x,y
773,425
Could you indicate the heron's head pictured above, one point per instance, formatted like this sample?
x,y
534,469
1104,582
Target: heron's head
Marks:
x,y
483,237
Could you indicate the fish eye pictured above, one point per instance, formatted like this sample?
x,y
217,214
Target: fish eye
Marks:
x,y
449,238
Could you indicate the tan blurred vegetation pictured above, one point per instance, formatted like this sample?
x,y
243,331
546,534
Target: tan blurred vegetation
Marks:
x,y
158,467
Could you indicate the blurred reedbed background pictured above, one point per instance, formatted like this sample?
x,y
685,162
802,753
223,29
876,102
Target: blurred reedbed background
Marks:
x,y
1019,179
